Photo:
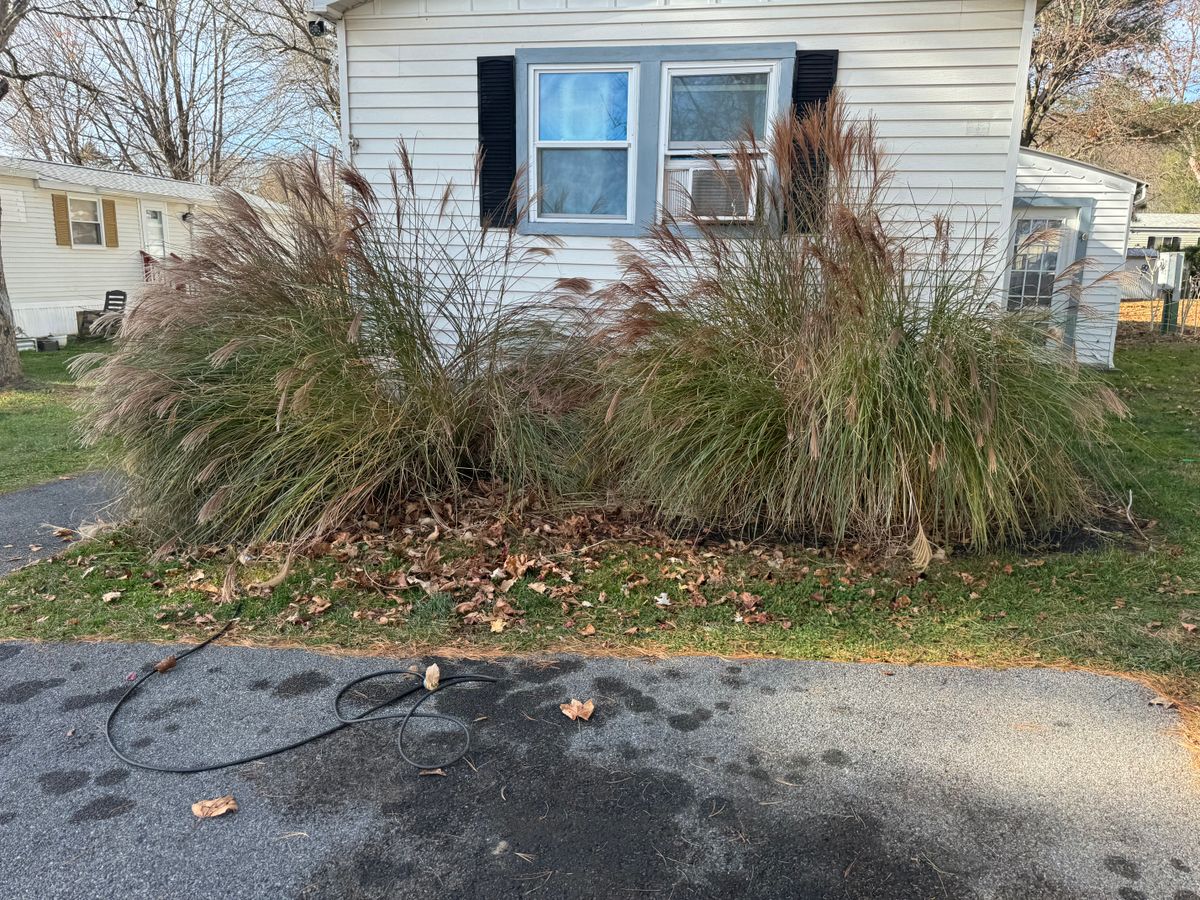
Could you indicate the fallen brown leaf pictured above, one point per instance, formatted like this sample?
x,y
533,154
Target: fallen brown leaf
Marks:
x,y
111,596
576,710
439,772
165,665
1164,702
588,630
218,806
432,675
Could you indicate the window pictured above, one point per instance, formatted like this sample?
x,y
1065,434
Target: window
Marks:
x,y
598,130
154,231
1036,262
583,137
86,230
706,110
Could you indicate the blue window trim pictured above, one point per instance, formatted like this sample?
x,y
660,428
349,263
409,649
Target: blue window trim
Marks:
x,y
649,59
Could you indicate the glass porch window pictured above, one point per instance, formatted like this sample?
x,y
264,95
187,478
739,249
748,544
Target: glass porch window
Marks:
x,y
1036,255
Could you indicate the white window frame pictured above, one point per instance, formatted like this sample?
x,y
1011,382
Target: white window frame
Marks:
x,y
1067,239
99,221
629,145
710,149
143,207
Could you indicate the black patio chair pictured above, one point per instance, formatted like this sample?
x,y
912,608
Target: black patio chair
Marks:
x,y
102,322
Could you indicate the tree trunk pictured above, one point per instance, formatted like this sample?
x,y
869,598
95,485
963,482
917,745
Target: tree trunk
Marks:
x,y
10,360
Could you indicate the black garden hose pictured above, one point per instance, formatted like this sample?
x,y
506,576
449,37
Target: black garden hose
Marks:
x,y
371,714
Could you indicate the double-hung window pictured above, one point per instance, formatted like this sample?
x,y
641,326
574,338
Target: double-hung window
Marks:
x,y
86,230
706,110
609,137
584,123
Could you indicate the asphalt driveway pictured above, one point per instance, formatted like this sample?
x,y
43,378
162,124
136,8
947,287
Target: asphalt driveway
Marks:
x,y
28,517
694,778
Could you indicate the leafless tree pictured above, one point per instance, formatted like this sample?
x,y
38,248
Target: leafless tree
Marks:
x,y
1077,43
1144,120
1174,62
308,62
187,92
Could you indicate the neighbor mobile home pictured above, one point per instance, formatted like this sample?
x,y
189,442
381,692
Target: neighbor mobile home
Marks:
x,y
70,234
604,107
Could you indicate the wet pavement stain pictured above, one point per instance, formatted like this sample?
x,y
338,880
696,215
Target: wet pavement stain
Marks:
x,y
108,806
302,684
96,698
111,777
631,698
62,781
24,691
835,758
1121,866
689,721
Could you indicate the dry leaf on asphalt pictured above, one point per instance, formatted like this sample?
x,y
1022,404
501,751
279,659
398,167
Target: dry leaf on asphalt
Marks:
x,y
438,772
432,675
576,710
165,665
218,806
1164,702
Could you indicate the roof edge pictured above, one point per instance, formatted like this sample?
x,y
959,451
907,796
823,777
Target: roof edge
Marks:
x,y
1055,157
335,9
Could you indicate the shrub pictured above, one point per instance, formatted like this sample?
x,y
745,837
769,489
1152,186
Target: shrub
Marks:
x,y
853,383
335,352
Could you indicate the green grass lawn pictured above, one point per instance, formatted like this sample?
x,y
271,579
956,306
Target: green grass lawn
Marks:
x,y
38,441
1125,603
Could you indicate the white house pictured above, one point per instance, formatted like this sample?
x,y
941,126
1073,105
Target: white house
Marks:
x,y
601,102
1082,214
1165,231
69,234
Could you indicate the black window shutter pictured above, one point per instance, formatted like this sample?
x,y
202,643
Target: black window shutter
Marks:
x,y
814,78
812,84
497,83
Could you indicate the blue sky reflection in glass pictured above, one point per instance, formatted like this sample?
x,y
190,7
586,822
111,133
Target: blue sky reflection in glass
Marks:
x,y
583,106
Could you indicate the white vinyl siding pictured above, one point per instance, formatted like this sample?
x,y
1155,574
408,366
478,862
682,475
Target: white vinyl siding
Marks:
x,y
1051,179
48,283
941,78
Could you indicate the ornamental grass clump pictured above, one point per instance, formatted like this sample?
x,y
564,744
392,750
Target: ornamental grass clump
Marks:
x,y
832,372
336,352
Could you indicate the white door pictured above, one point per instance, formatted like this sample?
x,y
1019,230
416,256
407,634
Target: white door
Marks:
x,y
154,230
1041,251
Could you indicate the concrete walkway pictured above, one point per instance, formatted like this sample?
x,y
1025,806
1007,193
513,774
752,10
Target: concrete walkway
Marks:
x,y
28,517
695,778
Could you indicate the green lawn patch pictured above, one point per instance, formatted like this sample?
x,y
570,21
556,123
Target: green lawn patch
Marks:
x,y
38,441
1126,603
